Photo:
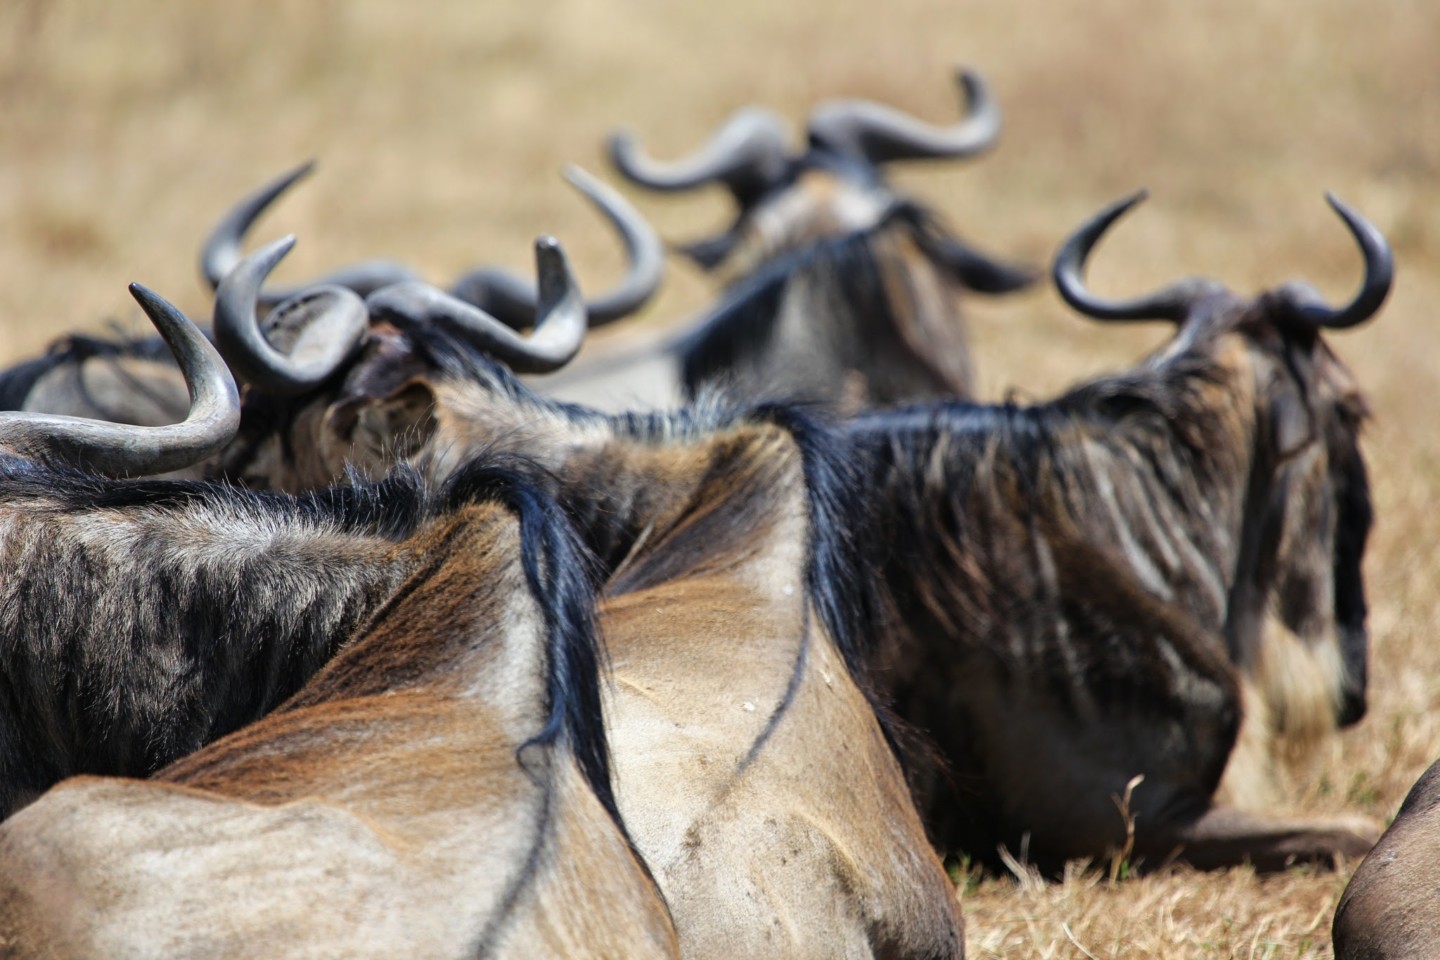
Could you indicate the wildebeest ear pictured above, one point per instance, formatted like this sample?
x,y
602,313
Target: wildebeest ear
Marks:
x,y
710,253
1290,425
978,271
376,432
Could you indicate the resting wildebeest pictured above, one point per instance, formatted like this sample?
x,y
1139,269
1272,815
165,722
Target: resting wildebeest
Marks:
x,y
440,788
1391,908
750,765
1154,574
837,286
140,619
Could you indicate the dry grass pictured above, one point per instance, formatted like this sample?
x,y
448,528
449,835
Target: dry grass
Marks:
x,y
128,126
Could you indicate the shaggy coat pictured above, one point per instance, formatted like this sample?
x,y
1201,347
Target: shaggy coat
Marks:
x,y
1151,576
440,788
757,780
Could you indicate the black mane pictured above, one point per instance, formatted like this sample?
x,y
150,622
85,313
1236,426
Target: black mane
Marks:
x,y
743,324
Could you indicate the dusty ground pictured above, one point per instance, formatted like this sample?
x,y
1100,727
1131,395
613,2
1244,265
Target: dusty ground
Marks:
x,y
126,127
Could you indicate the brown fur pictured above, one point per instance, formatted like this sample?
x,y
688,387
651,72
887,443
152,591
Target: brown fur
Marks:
x,y
767,802
390,808
750,766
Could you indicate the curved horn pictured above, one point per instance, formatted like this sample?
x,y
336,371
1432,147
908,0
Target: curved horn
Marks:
x,y
120,450
332,321
1171,303
511,299
1379,275
221,251
747,154
880,134
559,324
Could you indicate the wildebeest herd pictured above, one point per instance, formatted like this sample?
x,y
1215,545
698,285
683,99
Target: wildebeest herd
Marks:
x,y
405,656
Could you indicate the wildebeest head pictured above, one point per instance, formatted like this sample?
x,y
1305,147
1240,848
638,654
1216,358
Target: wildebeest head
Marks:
x,y
335,380
829,205
834,187
1301,608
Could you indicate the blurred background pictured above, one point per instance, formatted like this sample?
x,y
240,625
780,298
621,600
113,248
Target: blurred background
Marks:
x,y
128,127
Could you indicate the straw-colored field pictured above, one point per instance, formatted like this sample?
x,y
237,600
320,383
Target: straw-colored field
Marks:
x,y
127,127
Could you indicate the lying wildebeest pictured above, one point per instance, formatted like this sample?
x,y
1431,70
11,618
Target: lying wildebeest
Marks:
x,y
441,788
750,765
1391,908
135,381
837,285
142,619
1152,575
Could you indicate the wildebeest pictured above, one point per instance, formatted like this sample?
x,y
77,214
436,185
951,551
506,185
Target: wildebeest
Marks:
x,y
440,788
1152,575
837,285
141,619
1391,908
750,765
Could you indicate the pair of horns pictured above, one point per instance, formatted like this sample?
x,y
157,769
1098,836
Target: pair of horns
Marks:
x,y
332,321
1175,301
124,450
749,153
511,299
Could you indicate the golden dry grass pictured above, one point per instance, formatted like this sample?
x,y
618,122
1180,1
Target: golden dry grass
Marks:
x,y
128,126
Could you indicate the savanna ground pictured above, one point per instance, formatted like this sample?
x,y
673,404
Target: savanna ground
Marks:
x,y
126,127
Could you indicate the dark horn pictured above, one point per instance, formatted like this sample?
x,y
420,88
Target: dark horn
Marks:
x,y
125,450
332,321
1379,275
511,299
748,154
880,134
221,252
1171,303
559,326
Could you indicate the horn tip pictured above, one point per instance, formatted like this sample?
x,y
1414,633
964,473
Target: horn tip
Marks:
x,y
1127,203
1336,204
282,246
151,302
970,81
141,293
578,176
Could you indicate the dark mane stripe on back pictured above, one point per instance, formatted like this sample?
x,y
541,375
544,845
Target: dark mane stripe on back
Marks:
x,y
561,575
743,324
